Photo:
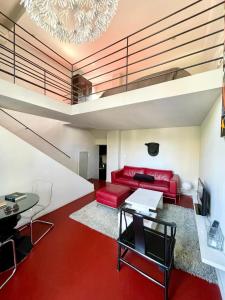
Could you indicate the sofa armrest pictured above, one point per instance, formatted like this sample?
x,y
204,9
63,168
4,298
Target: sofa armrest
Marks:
x,y
116,174
174,184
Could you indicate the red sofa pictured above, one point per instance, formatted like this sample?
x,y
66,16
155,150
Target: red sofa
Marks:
x,y
165,181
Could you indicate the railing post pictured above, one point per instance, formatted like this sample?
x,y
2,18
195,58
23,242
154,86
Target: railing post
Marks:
x,y
127,45
224,43
72,89
14,53
44,82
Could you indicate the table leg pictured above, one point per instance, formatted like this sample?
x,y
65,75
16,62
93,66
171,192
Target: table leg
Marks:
x,y
22,243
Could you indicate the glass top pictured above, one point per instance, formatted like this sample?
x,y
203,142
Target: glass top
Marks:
x,y
23,204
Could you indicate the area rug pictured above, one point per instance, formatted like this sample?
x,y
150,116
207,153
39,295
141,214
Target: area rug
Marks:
x,y
187,253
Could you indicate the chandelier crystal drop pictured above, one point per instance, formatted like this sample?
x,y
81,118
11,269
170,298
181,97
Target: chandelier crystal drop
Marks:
x,y
73,21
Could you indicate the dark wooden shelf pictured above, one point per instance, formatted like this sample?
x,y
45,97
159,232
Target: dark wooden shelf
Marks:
x,y
81,87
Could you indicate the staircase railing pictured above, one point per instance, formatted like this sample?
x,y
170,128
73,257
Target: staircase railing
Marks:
x,y
189,39
35,133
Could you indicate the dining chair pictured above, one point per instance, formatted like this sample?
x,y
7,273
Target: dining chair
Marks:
x,y
14,267
44,190
156,246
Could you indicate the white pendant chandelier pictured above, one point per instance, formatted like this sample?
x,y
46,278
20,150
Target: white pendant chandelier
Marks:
x,y
73,21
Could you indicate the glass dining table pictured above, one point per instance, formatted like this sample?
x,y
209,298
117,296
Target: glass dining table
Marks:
x,y
9,217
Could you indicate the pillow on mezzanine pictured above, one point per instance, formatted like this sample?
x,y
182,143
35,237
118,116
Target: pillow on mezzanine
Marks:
x,y
143,177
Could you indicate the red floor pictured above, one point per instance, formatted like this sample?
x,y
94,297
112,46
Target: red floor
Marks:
x,y
76,262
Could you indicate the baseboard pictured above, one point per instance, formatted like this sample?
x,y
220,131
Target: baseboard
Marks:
x,y
221,282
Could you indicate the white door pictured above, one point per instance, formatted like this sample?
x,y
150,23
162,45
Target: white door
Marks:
x,y
83,164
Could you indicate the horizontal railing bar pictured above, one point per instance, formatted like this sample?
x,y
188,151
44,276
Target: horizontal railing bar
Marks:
x,y
181,57
178,34
158,75
178,23
142,29
34,132
5,63
169,61
35,38
10,65
34,71
47,81
24,71
161,42
46,72
180,69
164,18
34,64
30,82
127,65
123,39
34,56
151,35
176,47
112,53
43,61
22,38
123,57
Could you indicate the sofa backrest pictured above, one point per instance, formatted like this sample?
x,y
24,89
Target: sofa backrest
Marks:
x,y
131,171
164,175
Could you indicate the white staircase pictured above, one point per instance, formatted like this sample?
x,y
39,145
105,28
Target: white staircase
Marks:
x,y
32,137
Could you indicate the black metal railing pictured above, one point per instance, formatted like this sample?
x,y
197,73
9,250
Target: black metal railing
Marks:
x,y
35,133
147,53
187,41
26,58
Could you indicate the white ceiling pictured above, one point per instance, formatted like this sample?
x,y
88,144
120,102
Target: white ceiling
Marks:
x,y
161,113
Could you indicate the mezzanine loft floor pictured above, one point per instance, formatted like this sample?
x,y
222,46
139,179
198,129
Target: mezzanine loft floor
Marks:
x,y
182,102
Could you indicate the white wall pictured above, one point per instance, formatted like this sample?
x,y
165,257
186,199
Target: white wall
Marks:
x,y
212,161
179,150
113,152
212,169
21,164
68,139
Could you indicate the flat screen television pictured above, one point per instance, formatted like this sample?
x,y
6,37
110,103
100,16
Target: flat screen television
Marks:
x,y
203,199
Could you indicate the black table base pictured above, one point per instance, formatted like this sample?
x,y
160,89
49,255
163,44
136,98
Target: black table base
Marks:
x,y
22,243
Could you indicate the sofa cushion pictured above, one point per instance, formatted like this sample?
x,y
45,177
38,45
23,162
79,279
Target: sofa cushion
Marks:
x,y
156,185
143,177
128,181
131,171
164,175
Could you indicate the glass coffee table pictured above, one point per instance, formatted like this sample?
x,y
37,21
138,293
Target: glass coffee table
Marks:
x,y
9,217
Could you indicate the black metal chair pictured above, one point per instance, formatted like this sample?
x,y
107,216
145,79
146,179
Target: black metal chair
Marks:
x,y
156,245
